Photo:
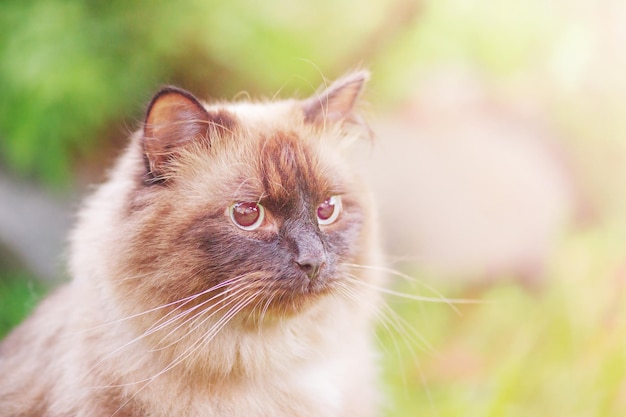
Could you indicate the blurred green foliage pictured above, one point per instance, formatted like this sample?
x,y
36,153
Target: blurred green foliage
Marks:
x,y
66,68
73,73
19,293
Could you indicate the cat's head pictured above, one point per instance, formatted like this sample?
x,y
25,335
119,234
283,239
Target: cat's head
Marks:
x,y
241,206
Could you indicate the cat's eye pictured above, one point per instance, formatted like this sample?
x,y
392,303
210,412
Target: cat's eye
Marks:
x,y
329,210
247,215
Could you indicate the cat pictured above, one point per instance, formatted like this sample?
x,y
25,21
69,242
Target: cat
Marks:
x,y
227,267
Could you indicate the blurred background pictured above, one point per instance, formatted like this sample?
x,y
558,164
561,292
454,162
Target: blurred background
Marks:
x,y
499,166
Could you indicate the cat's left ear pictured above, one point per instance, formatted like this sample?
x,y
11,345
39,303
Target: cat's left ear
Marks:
x,y
174,118
336,103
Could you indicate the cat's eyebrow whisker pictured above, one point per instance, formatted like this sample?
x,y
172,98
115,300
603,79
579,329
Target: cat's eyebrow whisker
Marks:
x,y
243,93
281,88
243,184
323,105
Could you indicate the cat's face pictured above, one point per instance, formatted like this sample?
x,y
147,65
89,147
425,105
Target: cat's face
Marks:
x,y
243,208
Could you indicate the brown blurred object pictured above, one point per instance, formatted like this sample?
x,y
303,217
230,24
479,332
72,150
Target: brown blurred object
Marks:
x,y
470,187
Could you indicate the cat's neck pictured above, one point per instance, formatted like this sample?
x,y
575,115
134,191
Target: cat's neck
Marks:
x,y
237,351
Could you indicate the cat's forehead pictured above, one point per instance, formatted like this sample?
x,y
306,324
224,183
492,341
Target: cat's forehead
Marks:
x,y
290,167
274,155
262,115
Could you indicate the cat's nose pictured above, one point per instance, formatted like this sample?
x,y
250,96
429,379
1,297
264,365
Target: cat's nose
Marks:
x,y
310,265
308,251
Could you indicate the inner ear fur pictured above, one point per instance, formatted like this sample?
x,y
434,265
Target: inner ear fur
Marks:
x,y
337,102
174,118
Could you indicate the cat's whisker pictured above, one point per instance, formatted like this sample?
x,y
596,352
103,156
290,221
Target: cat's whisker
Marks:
x,y
351,296
399,274
210,334
268,302
149,331
222,305
319,71
258,316
392,321
161,307
187,353
388,319
388,325
409,331
413,297
159,323
154,328
439,299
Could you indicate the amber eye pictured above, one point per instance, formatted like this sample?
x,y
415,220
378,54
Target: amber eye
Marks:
x,y
329,210
247,215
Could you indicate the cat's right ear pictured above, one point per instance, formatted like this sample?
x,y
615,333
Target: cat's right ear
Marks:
x,y
337,102
174,118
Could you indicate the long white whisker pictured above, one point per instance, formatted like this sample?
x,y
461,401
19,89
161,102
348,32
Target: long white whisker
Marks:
x,y
409,331
441,298
389,319
156,327
190,350
410,296
239,290
391,324
161,307
349,294
215,329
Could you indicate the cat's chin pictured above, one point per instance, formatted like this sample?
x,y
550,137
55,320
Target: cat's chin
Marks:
x,y
286,305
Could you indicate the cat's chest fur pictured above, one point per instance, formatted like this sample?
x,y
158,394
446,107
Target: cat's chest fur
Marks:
x,y
287,371
318,385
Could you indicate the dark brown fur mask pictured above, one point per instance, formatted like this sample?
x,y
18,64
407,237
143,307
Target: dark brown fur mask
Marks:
x,y
244,206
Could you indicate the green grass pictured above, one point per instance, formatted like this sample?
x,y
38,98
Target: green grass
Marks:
x,y
557,351
19,293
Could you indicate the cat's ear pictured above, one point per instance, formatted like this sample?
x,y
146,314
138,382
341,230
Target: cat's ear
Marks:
x,y
174,118
337,102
